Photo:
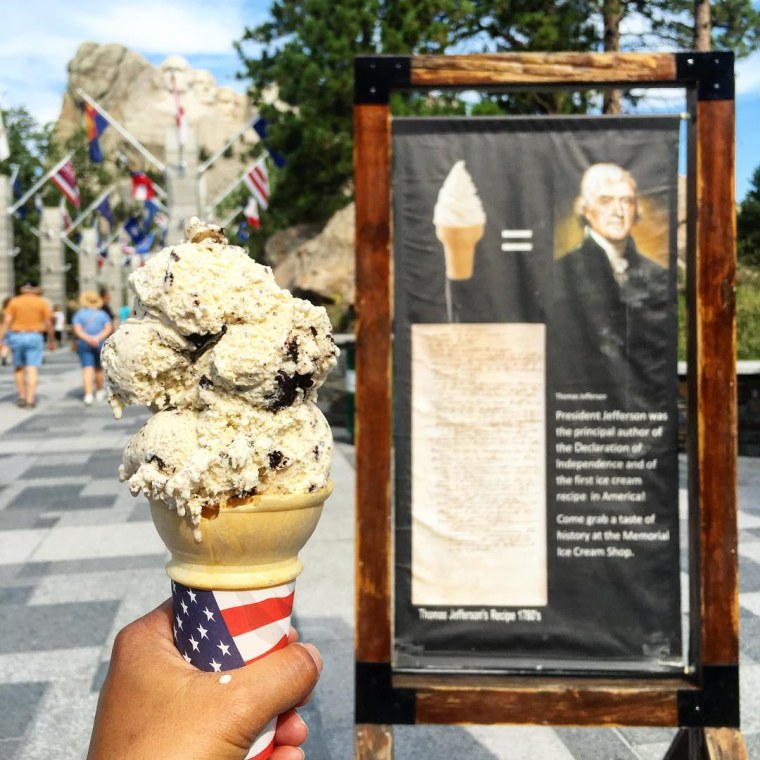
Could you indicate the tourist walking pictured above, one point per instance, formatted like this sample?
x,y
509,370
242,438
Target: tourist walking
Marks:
x,y
59,323
91,326
25,319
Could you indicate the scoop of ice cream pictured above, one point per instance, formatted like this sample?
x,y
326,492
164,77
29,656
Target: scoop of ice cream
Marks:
x,y
192,460
458,203
277,361
200,287
148,363
162,446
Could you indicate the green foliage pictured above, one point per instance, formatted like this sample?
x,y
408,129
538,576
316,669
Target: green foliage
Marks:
x,y
304,52
748,313
748,224
307,51
735,23
29,143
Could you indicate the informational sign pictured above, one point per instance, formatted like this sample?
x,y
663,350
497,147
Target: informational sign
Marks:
x,y
535,393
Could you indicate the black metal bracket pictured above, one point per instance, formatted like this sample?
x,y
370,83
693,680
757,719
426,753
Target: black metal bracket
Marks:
x,y
376,75
376,701
713,74
716,703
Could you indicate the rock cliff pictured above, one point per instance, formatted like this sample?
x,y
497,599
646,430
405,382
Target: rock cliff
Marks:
x,y
139,96
317,264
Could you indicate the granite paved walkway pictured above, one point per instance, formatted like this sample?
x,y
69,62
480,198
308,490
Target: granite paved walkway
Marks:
x,y
79,559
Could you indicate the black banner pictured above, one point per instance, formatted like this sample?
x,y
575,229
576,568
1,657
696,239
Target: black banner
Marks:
x,y
535,393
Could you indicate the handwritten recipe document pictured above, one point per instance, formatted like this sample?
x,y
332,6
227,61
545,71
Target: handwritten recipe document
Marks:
x,y
478,465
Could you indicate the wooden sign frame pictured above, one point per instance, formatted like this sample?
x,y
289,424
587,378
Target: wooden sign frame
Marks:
x,y
705,706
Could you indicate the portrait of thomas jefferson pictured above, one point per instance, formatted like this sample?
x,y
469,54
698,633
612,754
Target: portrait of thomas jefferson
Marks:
x,y
609,315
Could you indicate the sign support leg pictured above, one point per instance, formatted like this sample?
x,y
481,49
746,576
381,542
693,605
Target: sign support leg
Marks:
x,y
373,742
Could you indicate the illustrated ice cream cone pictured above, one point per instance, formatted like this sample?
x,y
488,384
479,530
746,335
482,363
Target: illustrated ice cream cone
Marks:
x,y
233,591
459,220
459,249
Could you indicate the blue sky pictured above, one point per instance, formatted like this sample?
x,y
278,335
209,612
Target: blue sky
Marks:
x,y
39,37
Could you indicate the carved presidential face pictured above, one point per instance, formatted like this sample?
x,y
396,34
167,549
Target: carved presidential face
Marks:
x,y
610,206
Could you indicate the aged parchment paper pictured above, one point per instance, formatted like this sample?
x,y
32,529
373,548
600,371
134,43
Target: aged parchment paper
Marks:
x,y
478,465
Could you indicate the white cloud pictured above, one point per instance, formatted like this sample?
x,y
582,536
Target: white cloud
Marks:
x,y
164,26
41,37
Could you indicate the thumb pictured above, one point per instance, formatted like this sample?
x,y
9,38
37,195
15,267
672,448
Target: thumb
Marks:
x,y
266,688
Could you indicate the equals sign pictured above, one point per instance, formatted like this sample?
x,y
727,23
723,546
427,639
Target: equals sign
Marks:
x,y
517,240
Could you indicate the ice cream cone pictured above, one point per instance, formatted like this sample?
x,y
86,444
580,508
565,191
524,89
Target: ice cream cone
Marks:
x,y
459,249
236,585
252,543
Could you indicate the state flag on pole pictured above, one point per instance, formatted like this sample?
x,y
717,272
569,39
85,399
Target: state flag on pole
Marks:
x,y
65,179
5,151
181,117
260,128
257,181
251,212
142,186
104,209
95,124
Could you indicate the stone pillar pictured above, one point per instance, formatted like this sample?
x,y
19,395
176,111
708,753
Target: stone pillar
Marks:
x,y
52,260
88,260
181,182
7,275
111,278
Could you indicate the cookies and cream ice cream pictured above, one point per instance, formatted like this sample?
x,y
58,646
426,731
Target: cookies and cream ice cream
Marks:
x,y
459,220
230,363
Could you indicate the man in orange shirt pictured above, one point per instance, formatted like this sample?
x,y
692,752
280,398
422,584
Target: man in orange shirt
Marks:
x,y
25,318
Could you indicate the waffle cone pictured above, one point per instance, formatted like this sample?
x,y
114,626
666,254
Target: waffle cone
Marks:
x,y
246,544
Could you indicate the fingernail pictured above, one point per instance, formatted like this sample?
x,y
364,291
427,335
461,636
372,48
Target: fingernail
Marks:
x,y
314,652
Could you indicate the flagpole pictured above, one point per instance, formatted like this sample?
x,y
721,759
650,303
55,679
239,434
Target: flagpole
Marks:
x,y
236,182
37,185
231,216
206,165
74,247
93,205
123,132
178,118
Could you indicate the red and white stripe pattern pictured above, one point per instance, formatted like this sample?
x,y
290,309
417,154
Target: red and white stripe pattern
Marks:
x,y
223,630
65,179
251,212
257,181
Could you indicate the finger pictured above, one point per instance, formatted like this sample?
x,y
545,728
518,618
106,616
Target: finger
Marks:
x,y
272,685
292,635
291,729
287,753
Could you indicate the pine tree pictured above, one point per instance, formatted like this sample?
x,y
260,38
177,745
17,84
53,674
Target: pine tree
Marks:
x,y
307,52
304,53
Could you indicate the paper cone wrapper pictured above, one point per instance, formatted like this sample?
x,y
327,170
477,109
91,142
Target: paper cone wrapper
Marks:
x,y
233,590
459,249
224,630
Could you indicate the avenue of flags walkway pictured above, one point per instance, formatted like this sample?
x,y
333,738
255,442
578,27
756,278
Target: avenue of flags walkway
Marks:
x,y
79,559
